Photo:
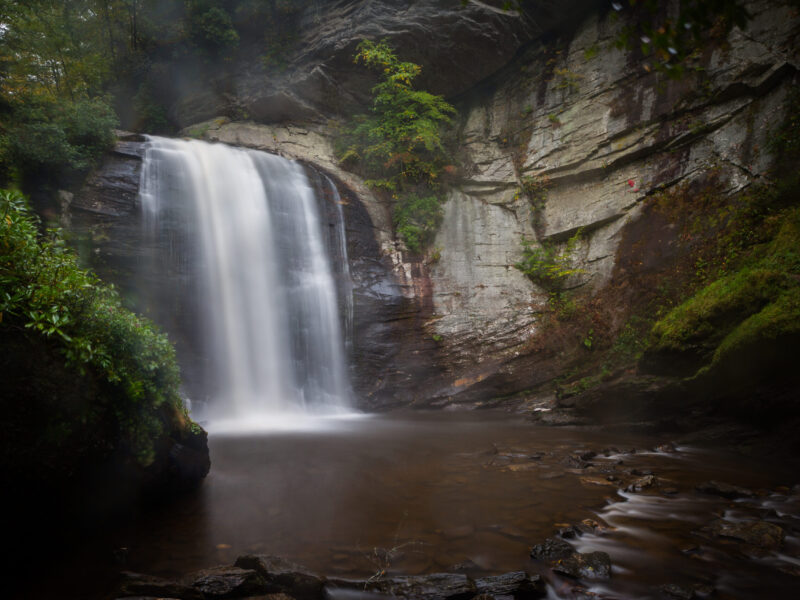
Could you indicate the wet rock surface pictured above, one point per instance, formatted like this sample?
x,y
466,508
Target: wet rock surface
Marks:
x,y
589,565
726,490
552,548
227,582
757,533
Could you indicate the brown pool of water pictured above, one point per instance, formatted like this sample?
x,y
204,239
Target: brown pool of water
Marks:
x,y
430,492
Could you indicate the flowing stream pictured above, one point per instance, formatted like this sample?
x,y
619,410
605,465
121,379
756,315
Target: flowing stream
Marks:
x,y
249,223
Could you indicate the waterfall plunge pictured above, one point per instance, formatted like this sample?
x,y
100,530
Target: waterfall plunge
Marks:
x,y
267,298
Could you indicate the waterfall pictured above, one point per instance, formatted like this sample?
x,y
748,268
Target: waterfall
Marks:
x,y
265,293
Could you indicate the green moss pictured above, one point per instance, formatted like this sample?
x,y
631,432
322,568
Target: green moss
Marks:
x,y
715,310
777,319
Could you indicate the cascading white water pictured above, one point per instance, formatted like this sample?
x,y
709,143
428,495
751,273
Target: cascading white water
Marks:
x,y
267,296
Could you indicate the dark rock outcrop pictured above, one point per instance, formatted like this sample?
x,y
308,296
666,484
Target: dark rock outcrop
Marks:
x,y
552,548
459,45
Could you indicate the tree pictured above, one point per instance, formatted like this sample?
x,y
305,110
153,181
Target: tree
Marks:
x,y
399,145
400,142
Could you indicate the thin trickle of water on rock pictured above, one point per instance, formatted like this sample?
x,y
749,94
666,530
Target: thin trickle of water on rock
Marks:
x,y
267,296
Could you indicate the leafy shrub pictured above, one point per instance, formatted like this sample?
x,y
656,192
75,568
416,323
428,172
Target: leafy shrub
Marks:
x,y
213,30
416,220
53,138
399,147
43,292
401,140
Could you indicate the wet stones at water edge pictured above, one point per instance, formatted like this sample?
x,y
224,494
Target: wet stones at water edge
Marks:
x,y
589,565
760,534
564,560
551,548
274,578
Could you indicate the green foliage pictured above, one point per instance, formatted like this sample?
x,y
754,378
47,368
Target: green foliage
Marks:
x,y
399,145
211,28
416,219
567,80
666,40
45,293
536,188
54,137
547,264
53,116
400,142
51,47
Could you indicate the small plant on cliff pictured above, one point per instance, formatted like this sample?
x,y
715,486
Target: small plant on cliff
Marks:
x,y
536,188
44,294
416,219
548,265
399,147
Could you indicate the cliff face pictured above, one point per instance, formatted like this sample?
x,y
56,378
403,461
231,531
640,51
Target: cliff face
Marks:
x,y
462,43
558,137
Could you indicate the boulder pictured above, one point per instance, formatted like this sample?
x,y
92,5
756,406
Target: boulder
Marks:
x,y
591,565
726,490
761,534
552,548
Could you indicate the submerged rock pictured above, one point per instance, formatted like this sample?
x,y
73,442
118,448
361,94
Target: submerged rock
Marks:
x,y
726,490
591,565
757,533
686,592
